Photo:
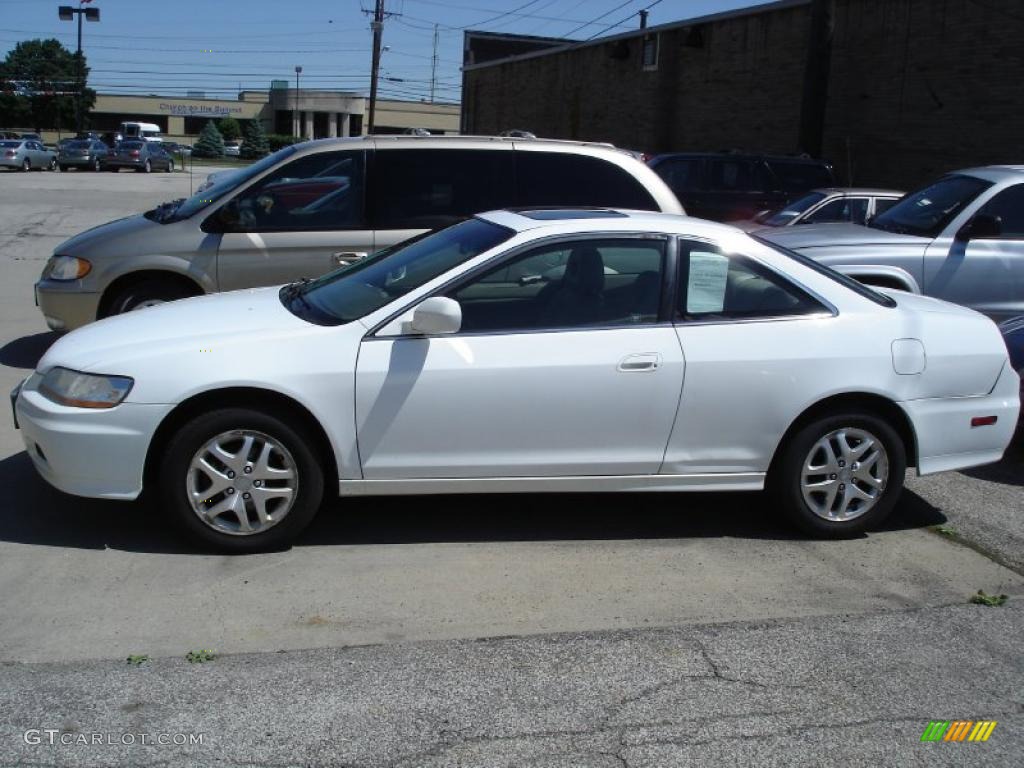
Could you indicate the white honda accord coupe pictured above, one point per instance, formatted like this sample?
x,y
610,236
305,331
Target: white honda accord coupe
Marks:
x,y
528,350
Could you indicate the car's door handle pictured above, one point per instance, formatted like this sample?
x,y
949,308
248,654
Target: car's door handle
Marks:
x,y
647,361
344,258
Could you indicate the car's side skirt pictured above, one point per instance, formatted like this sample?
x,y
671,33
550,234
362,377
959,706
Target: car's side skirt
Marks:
x,y
738,481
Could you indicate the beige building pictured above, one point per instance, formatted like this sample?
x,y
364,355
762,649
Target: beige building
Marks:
x,y
308,113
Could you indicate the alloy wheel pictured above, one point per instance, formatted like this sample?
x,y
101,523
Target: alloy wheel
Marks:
x,y
242,482
844,474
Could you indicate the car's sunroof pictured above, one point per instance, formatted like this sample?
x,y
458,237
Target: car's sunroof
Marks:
x,y
558,214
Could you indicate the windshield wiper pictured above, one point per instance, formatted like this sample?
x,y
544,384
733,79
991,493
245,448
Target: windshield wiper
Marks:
x,y
294,290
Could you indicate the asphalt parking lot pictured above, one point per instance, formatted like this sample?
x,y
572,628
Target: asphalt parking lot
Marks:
x,y
86,582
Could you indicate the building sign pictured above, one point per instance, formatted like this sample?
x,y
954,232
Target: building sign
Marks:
x,y
199,110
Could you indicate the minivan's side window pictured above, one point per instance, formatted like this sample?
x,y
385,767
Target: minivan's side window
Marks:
x,y
322,191
1008,205
424,189
563,179
714,285
682,174
593,282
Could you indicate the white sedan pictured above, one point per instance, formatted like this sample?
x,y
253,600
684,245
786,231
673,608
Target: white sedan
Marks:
x,y
575,350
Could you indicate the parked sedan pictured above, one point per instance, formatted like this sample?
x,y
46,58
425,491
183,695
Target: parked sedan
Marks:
x,y
857,205
142,156
232,149
960,238
535,350
27,155
83,154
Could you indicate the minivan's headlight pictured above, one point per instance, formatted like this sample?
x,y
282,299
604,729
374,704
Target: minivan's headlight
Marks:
x,y
66,268
84,390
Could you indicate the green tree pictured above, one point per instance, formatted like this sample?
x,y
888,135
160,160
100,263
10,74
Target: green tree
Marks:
x,y
210,142
39,82
229,129
255,145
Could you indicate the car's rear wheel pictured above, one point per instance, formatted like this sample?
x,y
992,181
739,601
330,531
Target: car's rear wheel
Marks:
x,y
53,164
27,165
170,166
146,293
840,475
147,167
97,165
63,169
239,480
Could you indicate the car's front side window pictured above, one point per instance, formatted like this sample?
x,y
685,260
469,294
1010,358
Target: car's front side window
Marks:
x,y
576,284
716,286
322,191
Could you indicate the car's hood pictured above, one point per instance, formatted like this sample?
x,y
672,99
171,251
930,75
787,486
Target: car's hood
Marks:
x,y
85,242
804,236
201,323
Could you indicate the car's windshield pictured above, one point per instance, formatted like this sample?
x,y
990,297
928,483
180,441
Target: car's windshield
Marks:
x,y
354,291
927,212
785,215
228,183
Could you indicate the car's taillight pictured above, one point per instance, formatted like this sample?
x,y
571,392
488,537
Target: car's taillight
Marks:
x,y
10,153
135,153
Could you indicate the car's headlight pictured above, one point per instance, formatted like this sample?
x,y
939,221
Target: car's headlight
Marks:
x,y
84,390
66,268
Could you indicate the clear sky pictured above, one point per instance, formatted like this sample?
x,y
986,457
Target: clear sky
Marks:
x,y
219,46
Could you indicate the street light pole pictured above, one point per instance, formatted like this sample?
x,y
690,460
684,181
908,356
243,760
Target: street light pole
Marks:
x,y
67,13
298,117
377,25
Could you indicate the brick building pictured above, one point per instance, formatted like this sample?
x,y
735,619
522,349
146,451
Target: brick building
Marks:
x,y
914,87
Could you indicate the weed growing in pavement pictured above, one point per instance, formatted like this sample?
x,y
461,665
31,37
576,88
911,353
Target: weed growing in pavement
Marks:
x,y
200,657
137,659
992,600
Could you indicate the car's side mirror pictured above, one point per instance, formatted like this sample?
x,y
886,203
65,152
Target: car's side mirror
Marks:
x,y
436,315
982,226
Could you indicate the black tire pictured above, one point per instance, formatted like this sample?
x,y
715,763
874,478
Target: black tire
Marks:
x,y
53,164
785,480
170,166
195,434
97,166
147,167
27,165
63,169
115,169
149,290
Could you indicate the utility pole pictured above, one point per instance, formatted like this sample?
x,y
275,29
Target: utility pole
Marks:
x,y
378,28
298,117
67,13
433,68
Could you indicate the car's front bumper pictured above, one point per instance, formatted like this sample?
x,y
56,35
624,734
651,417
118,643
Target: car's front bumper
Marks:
x,y
65,306
99,453
945,438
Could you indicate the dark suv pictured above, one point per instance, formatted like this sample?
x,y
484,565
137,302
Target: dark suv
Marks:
x,y
725,186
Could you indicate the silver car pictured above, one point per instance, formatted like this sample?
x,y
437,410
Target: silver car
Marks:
x,y
27,155
311,207
826,205
960,238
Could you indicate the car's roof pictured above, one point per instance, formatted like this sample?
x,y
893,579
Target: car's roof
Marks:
x,y
584,219
994,172
386,138
745,156
858,191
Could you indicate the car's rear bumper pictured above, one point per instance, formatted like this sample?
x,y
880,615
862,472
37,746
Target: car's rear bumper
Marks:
x,y
65,306
945,438
123,163
11,162
99,453
76,160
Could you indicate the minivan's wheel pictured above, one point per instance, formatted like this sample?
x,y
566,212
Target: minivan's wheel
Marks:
x,y
27,165
840,474
240,480
146,293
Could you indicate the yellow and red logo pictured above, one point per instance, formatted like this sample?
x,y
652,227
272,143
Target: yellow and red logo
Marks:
x,y
958,730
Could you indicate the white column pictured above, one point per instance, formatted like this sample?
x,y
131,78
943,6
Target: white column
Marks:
x,y
309,125
343,120
295,122
332,126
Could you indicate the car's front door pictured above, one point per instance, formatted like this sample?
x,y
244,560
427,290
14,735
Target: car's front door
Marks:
x,y
302,220
564,366
984,273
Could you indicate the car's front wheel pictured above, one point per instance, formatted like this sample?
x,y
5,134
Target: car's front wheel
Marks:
x,y
240,480
53,164
146,292
839,475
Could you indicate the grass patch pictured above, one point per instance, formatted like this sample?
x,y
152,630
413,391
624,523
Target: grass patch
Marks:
x,y
944,530
137,659
980,598
200,657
